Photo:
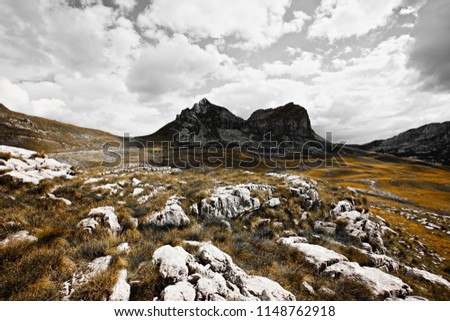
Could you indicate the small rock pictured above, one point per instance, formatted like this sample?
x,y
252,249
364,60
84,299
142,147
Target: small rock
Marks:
x,y
308,288
121,290
21,236
123,248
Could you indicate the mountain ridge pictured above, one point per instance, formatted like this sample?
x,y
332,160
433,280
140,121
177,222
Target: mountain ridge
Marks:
x,y
205,122
429,142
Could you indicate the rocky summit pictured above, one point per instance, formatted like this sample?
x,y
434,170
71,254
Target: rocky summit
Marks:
x,y
206,122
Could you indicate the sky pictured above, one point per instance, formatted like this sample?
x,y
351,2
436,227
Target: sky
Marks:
x,y
364,69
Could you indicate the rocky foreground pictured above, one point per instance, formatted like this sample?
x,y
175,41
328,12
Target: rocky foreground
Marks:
x,y
165,234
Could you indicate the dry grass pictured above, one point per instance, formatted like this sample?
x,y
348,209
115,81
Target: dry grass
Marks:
x,y
37,271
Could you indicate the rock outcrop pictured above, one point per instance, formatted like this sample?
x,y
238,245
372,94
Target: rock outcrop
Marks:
x,y
232,201
318,256
26,166
378,282
172,215
103,216
211,275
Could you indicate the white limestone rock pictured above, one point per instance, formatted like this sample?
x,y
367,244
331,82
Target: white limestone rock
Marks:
x,y
213,276
378,282
135,182
232,201
53,197
341,207
123,248
97,266
172,215
181,291
21,236
103,216
316,255
25,167
121,290
426,276
138,191
172,262
111,188
273,202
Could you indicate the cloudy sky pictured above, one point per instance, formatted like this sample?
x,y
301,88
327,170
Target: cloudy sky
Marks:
x,y
364,69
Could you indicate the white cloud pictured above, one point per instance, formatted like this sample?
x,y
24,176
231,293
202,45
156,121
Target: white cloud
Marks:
x,y
336,19
253,23
161,69
125,4
304,65
12,95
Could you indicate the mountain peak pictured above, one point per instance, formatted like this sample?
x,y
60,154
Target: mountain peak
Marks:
x,y
3,107
209,122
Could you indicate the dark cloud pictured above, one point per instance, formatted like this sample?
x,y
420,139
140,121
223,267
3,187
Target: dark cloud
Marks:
x,y
431,52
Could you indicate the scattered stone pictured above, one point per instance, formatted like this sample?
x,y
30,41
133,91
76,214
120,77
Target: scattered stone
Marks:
x,y
103,216
123,248
21,236
94,268
172,215
138,191
308,288
92,180
121,290
273,202
113,189
25,166
135,182
326,291
53,197
193,209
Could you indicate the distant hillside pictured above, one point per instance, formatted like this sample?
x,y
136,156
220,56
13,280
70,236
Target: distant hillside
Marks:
x,y
36,133
430,143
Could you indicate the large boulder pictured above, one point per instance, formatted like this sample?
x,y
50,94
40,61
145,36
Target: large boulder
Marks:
x,y
172,215
103,216
426,276
232,201
318,256
21,236
172,262
381,284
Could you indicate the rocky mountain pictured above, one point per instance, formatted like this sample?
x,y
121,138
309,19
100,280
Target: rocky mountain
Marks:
x,y
25,131
206,122
430,143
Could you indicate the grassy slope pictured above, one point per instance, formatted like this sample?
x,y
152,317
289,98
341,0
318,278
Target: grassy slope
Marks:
x,y
36,133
